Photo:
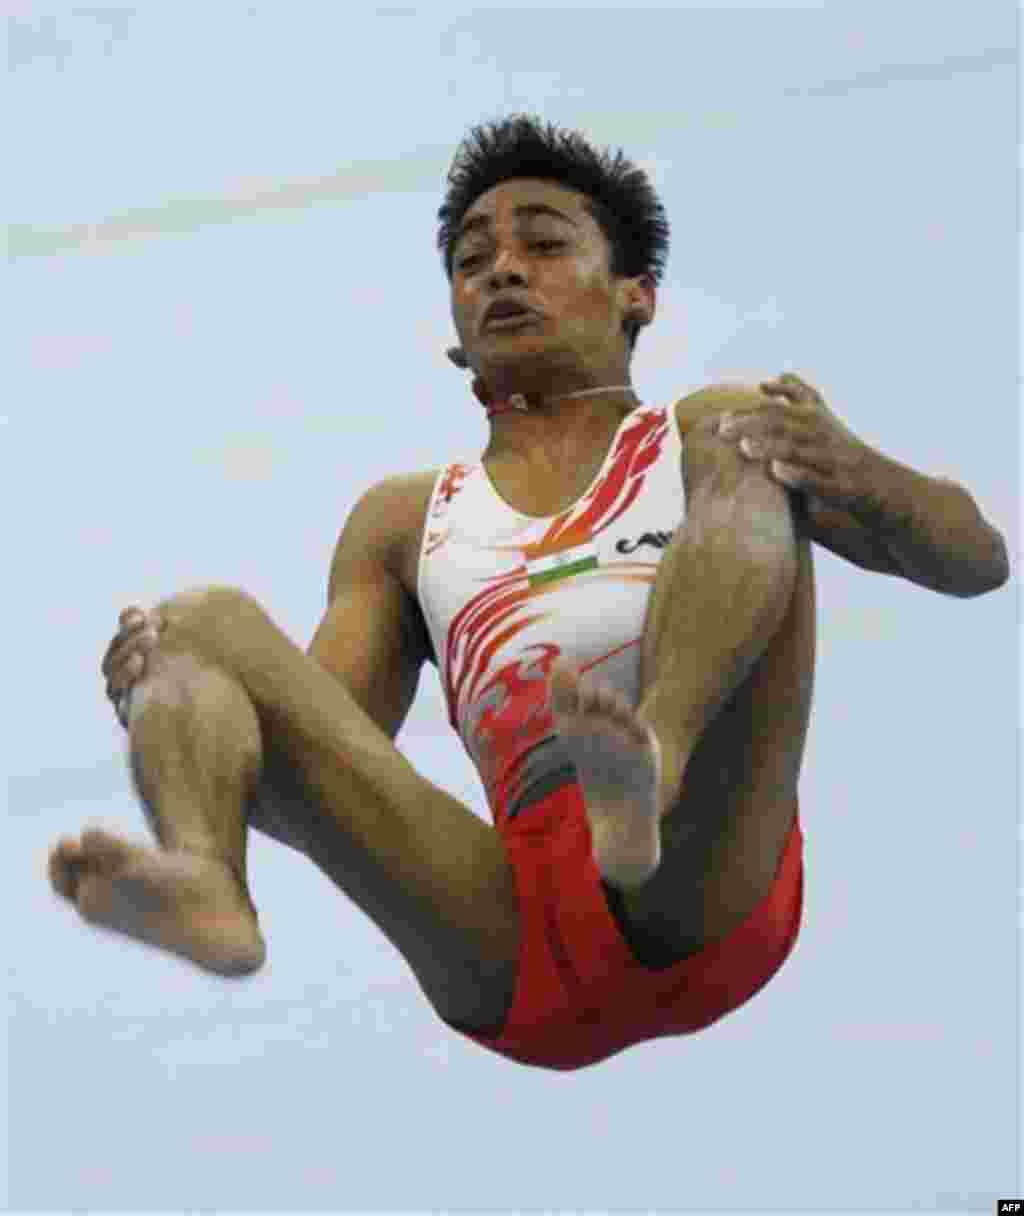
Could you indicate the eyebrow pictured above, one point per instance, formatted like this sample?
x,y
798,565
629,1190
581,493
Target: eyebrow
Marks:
x,y
527,209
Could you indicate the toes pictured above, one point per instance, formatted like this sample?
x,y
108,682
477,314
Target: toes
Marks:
x,y
573,695
68,850
105,852
608,702
620,707
601,700
590,695
565,689
62,867
605,702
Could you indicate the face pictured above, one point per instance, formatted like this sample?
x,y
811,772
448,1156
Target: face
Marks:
x,y
534,242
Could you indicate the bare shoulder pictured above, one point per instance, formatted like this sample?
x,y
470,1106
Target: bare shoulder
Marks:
x,y
412,498
388,519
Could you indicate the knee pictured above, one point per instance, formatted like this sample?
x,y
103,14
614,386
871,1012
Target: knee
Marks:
x,y
187,681
187,696
208,622
199,608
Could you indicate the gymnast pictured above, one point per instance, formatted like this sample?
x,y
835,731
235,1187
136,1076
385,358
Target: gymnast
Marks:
x,y
619,600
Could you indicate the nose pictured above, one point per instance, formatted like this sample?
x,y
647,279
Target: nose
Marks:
x,y
507,271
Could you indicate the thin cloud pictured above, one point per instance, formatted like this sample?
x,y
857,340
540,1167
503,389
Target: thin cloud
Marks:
x,y
882,77
176,216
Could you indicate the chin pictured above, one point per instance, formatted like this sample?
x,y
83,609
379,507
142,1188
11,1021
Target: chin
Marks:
x,y
527,352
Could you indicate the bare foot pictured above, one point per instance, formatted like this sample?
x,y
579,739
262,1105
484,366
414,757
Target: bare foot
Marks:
x,y
191,905
619,764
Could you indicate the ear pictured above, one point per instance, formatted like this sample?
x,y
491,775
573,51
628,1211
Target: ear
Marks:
x,y
641,299
458,356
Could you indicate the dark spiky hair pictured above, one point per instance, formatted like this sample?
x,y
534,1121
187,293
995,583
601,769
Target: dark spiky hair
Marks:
x,y
619,195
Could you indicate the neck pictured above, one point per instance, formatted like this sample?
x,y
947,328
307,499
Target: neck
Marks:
x,y
525,402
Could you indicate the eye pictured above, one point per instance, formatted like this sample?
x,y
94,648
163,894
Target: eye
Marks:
x,y
472,259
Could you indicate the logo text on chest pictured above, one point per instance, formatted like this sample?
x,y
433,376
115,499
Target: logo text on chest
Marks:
x,y
658,540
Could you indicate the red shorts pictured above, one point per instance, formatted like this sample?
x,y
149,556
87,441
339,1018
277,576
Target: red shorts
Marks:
x,y
580,994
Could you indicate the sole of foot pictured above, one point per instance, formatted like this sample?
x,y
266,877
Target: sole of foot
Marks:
x,y
190,905
618,763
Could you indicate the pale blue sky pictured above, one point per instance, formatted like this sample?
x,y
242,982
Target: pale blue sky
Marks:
x,y
229,319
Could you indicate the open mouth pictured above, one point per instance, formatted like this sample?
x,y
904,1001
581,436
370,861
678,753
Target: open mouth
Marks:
x,y
507,314
510,321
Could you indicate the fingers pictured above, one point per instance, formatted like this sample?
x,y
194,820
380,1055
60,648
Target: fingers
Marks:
x,y
794,436
789,459
787,383
125,660
792,388
774,421
128,662
125,674
788,408
126,636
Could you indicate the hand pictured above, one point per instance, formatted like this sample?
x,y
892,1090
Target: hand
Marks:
x,y
804,445
124,662
206,622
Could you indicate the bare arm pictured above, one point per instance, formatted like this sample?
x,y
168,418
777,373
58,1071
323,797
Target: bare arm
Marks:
x,y
933,530
858,502
370,639
836,530
845,536
927,530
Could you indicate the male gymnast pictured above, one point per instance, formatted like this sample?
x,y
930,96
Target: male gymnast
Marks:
x,y
619,600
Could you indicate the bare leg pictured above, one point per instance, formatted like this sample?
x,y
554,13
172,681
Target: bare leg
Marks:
x,y
619,764
196,758
723,836
329,782
689,825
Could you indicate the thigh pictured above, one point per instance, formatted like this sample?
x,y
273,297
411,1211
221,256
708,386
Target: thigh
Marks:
x,y
434,878
723,842
430,874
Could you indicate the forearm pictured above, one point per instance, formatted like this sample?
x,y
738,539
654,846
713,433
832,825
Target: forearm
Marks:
x,y
933,530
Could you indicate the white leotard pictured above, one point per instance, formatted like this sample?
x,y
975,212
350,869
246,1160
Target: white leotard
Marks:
x,y
504,594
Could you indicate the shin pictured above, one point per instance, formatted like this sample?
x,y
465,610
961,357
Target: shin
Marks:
x,y
195,755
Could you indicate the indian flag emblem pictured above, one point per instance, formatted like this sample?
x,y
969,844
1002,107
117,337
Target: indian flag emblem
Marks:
x,y
549,568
